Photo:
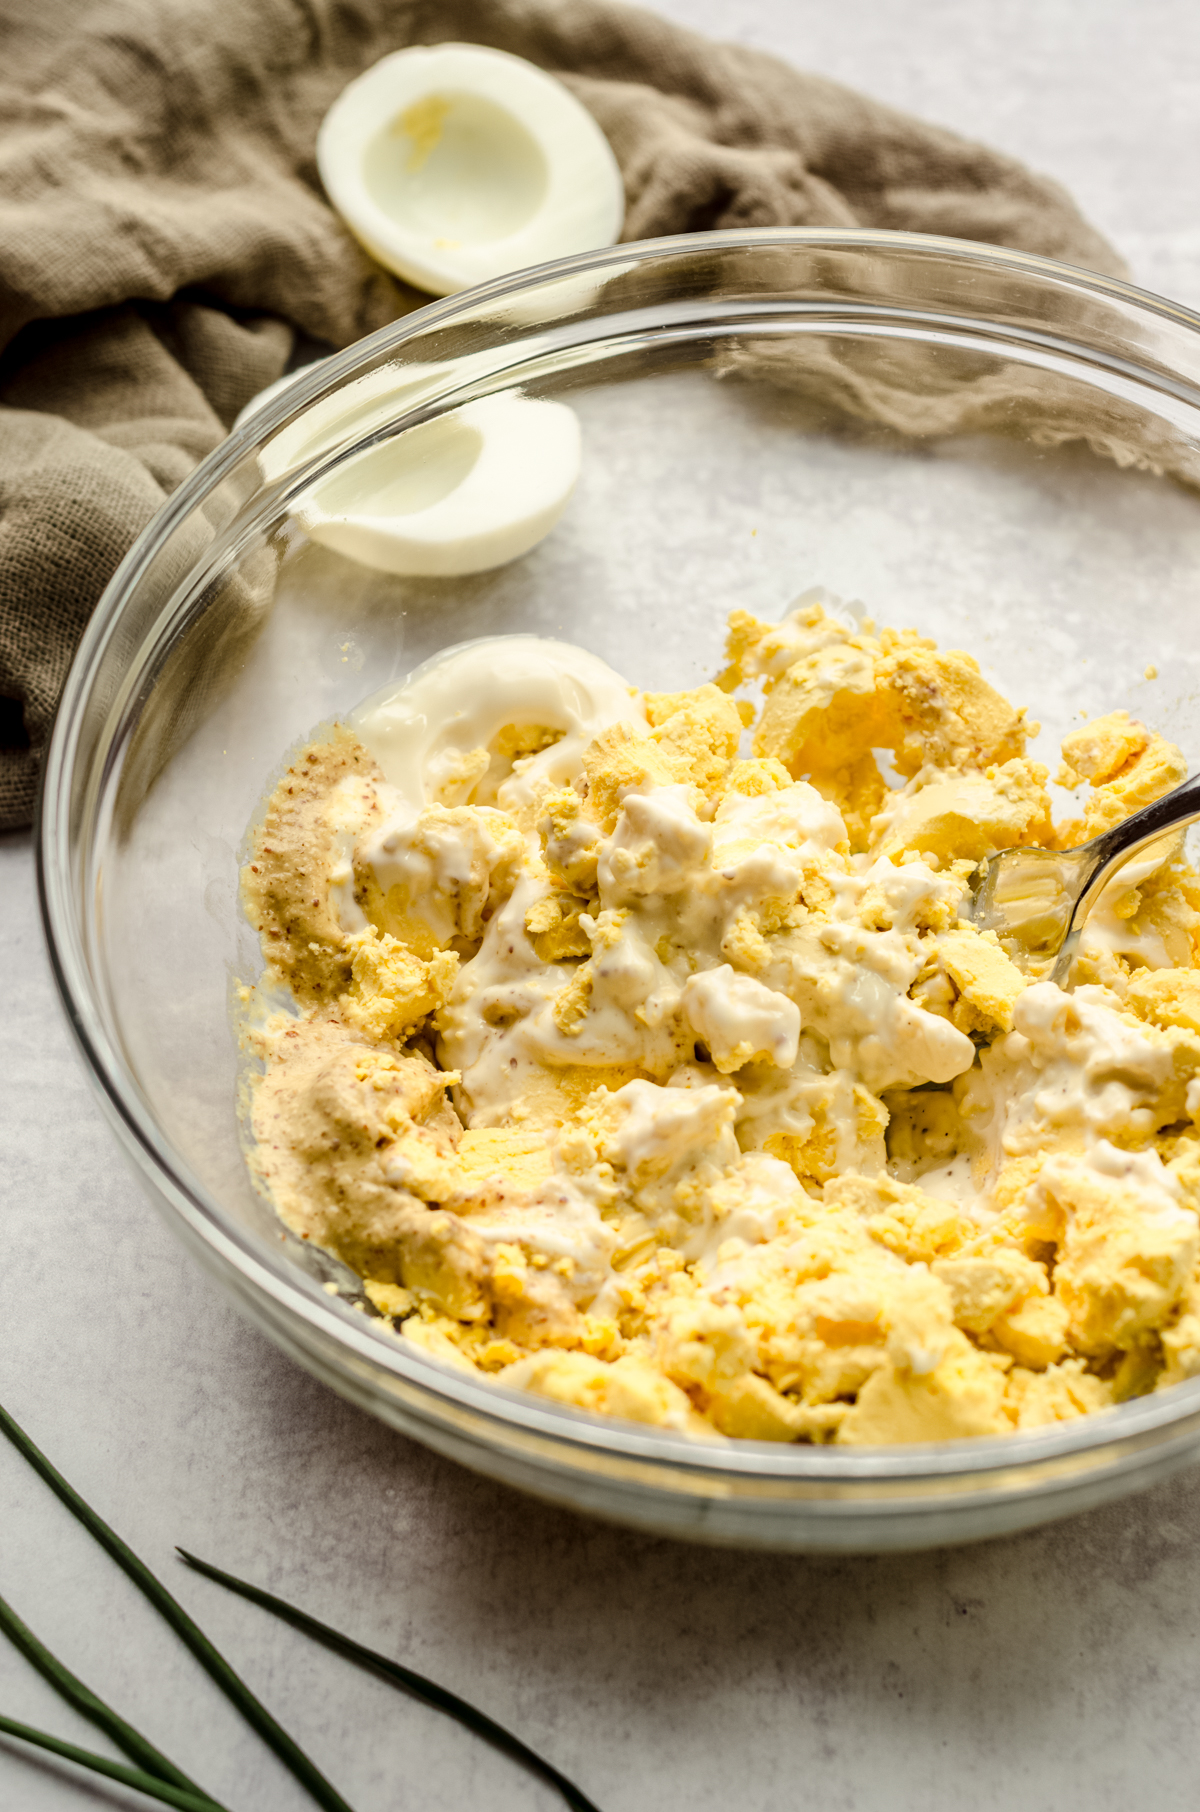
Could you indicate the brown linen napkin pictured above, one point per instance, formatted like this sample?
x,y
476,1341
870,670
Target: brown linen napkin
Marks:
x,y
164,237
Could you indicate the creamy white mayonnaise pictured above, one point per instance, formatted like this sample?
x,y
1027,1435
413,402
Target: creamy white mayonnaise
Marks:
x,y
420,730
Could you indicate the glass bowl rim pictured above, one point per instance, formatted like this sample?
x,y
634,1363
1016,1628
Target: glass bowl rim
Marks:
x,y
1133,1424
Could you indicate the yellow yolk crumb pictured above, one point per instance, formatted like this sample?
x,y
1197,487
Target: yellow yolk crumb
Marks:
x,y
1166,997
971,815
1122,1265
621,761
392,990
521,1158
963,1395
984,976
1126,765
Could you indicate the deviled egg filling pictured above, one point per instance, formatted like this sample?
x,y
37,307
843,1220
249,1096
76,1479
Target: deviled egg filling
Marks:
x,y
637,1051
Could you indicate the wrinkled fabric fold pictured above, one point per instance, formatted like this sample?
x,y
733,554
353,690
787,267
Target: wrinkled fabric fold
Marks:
x,y
164,238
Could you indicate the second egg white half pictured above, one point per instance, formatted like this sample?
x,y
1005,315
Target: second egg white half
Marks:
x,y
460,493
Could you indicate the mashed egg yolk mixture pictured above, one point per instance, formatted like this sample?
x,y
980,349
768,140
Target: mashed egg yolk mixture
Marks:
x,y
666,1080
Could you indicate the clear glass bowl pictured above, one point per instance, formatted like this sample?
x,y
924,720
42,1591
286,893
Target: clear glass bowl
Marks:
x,y
903,420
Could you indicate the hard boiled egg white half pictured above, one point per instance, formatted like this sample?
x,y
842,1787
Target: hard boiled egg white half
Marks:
x,y
359,407
454,164
460,493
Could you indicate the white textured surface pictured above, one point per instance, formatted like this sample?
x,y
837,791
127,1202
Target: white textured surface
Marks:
x,y
1052,1670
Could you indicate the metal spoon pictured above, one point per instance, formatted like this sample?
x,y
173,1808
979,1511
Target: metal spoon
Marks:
x,y
1036,900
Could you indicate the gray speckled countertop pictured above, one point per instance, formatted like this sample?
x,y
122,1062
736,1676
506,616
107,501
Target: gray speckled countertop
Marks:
x,y
1056,1669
